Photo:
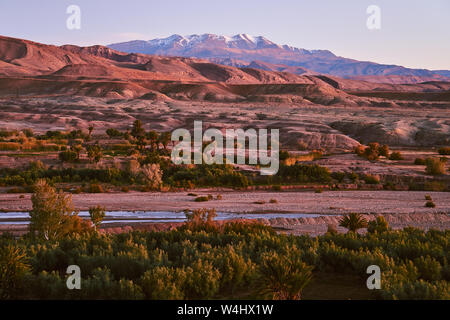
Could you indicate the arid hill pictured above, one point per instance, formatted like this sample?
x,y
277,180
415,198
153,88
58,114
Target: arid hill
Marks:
x,y
34,69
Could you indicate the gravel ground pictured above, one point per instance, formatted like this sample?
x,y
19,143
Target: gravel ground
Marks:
x,y
327,202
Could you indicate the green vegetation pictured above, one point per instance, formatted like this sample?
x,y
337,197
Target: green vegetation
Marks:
x,y
444,151
396,156
353,221
97,214
430,204
420,161
205,260
379,225
373,151
435,166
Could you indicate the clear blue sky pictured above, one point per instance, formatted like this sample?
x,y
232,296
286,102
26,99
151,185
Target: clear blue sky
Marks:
x,y
414,33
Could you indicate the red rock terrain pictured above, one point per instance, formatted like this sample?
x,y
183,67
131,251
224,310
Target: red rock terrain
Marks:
x,y
33,69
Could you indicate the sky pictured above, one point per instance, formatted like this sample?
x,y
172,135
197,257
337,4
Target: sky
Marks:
x,y
413,33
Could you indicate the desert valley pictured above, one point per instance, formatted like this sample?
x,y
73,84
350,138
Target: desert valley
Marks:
x,y
357,139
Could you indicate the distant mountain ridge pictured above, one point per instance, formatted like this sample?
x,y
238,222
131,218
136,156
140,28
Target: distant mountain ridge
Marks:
x,y
259,52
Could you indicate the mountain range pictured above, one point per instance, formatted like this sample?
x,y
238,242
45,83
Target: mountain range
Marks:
x,y
243,50
30,69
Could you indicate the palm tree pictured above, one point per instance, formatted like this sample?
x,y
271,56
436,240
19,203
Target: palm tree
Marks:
x,y
284,277
353,222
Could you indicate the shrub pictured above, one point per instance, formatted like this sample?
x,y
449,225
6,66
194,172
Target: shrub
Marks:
x,y
384,151
97,214
283,155
435,166
276,187
396,156
259,202
430,204
283,277
371,179
273,201
95,153
420,161
201,199
378,225
428,197
219,197
68,156
429,268
444,151
13,268
95,188
353,222
9,146
113,133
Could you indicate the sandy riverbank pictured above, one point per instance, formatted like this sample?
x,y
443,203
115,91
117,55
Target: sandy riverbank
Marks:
x,y
327,202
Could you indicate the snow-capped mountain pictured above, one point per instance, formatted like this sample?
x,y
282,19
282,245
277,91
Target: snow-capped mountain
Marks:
x,y
213,44
244,50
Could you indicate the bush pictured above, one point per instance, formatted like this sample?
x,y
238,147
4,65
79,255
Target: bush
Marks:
x,y
353,221
95,188
9,146
434,166
429,268
378,225
284,155
371,179
396,156
283,277
13,268
444,151
68,156
420,161
430,204
202,199
273,201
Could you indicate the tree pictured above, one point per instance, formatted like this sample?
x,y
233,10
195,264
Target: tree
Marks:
x,y
95,153
13,267
52,215
112,133
434,166
77,148
68,156
91,128
153,175
165,138
379,225
353,222
137,130
153,137
283,277
97,215
384,151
